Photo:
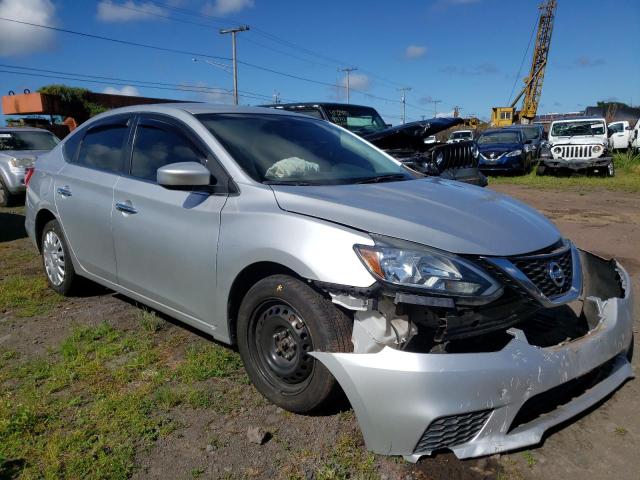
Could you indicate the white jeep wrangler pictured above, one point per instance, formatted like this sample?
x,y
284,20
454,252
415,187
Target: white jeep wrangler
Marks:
x,y
579,144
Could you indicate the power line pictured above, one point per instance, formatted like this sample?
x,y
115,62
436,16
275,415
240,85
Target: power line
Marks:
x,y
273,38
190,53
115,40
126,82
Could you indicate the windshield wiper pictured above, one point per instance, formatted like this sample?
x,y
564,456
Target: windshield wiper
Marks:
x,y
382,178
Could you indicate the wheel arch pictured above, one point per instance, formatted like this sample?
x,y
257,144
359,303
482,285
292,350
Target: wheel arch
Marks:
x,y
43,217
248,277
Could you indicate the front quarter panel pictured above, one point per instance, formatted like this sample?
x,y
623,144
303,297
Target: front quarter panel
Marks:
x,y
254,229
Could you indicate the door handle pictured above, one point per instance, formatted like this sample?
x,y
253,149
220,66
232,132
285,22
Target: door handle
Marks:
x,y
64,191
126,208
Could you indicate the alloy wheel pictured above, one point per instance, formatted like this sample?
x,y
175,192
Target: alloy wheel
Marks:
x,y
54,256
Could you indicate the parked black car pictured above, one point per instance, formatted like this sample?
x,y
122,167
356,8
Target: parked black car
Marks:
x,y
405,142
505,150
535,133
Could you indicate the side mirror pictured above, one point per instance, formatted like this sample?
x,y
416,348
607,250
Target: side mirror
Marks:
x,y
184,175
388,125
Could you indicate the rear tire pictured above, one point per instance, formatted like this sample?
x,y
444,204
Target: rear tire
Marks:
x,y
280,320
56,260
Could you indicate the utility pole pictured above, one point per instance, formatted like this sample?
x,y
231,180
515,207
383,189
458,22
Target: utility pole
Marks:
x,y
348,70
404,91
435,107
276,96
233,31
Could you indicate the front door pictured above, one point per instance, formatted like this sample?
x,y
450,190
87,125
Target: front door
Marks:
x,y
166,240
84,194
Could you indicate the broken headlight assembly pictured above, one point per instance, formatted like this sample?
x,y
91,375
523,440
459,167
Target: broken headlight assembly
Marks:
x,y
405,264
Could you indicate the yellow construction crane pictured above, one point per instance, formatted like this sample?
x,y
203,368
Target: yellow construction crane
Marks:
x,y
505,116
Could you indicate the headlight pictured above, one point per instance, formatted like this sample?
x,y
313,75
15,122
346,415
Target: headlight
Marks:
x,y
411,265
439,158
474,151
515,153
557,150
21,162
597,149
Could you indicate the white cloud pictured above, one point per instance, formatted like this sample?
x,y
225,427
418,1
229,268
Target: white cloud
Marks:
x,y
357,81
129,11
127,90
18,39
224,7
445,114
415,51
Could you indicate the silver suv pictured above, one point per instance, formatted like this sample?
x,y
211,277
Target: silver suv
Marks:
x,y
19,148
440,308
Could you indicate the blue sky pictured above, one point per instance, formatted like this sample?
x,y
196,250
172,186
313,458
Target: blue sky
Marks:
x,y
462,52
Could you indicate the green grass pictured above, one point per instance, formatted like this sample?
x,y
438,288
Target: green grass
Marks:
x,y
627,178
348,460
27,295
104,394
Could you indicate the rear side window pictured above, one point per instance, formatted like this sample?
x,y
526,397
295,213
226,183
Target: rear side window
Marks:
x,y
102,148
71,145
157,146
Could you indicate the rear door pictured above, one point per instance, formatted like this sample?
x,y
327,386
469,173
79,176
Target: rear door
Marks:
x,y
84,193
166,240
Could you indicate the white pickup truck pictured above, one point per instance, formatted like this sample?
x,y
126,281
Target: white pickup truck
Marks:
x,y
579,144
619,135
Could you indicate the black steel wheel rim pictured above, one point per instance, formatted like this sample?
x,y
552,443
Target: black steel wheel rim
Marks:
x,y
282,343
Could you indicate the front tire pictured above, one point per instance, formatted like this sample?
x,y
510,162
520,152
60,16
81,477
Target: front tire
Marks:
x,y
56,259
281,320
6,198
610,170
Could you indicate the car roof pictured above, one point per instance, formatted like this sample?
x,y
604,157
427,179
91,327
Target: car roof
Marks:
x,y
580,119
195,109
506,129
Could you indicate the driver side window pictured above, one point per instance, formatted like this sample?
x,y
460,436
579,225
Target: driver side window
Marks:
x,y
156,145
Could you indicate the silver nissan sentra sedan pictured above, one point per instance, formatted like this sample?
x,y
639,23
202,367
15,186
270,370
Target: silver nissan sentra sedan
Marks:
x,y
451,316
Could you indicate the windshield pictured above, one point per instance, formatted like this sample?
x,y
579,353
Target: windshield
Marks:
x,y
459,135
580,127
360,120
285,149
499,137
531,133
27,140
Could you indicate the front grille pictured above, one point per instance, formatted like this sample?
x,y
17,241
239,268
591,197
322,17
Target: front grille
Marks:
x,y
576,151
454,156
536,268
554,398
446,432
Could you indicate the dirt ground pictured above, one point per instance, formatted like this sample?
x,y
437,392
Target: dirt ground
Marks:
x,y
212,442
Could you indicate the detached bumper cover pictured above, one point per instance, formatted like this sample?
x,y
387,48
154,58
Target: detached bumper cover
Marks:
x,y
576,164
410,403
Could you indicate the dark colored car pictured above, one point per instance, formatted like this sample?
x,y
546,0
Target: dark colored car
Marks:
x,y
534,133
406,142
505,150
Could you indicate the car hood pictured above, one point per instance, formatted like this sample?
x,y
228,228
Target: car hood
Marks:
x,y
579,140
32,154
410,135
443,214
499,147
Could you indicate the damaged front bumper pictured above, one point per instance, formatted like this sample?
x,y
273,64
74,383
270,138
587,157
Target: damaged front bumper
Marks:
x,y
474,404
576,164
